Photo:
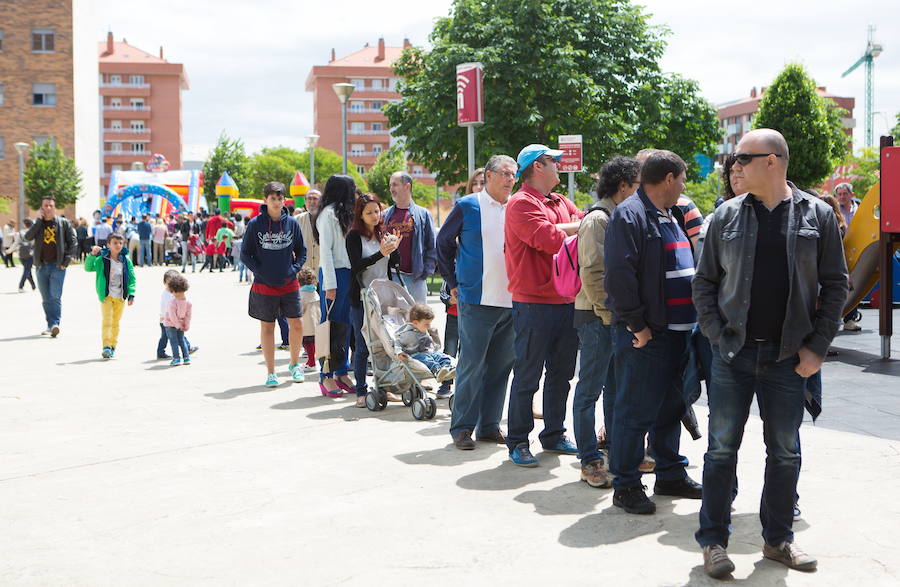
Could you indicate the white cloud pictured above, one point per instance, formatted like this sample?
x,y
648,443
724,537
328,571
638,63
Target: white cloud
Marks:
x,y
248,61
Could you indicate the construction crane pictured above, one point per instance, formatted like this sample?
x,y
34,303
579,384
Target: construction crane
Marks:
x,y
873,50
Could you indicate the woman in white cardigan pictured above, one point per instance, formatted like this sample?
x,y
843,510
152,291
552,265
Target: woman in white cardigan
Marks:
x,y
332,224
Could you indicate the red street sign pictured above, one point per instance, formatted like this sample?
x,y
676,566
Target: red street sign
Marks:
x,y
469,94
570,145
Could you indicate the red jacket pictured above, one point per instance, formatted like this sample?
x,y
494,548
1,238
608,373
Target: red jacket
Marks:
x,y
532,239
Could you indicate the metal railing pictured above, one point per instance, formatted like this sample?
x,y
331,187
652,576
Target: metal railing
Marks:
x,y
128,107
128,153
356,131
143,85
137,131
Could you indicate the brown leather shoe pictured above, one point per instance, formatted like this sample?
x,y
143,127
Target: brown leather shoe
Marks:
x,y
463,440
495,436
595,475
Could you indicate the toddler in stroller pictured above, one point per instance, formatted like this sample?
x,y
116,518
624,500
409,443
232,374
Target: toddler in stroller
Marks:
x,y
386,306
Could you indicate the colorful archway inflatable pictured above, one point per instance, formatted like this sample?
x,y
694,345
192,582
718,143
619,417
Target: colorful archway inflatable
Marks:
x,y
123,195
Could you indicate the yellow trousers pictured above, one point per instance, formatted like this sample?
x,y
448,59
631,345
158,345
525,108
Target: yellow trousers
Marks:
x,y
111,308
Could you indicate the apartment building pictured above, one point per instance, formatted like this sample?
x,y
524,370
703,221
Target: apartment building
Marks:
x,y
368,132
48,91
141,100
736,117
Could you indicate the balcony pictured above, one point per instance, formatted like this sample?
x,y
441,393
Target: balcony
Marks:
x,y
127,108
124,85
364,154
365,111
126,153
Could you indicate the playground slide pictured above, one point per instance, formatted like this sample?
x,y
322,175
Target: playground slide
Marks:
x,y
861,248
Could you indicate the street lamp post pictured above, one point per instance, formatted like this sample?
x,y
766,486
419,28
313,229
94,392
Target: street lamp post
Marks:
x,y
343,91
20,149
311,141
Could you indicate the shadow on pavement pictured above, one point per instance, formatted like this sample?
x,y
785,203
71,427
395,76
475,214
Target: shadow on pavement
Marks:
x,y
84,362
871,363
28,337
350,413
239,391
571,499
305,402
507,476
448,456
765,572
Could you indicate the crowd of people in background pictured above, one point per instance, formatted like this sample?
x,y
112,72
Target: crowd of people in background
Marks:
x,y
656,299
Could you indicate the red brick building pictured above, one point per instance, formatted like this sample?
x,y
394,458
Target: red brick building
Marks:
x,y
368,133
141,102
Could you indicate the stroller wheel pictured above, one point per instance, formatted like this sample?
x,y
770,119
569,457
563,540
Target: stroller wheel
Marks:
x,y
407,398
419,409
381,399
371,402
430,408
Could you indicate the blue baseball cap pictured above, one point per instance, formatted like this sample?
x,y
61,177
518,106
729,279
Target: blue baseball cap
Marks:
x,y
529,155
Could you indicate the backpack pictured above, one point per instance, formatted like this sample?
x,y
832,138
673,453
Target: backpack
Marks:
x,y
566,277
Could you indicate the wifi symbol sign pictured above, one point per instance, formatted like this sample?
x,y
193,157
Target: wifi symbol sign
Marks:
x,y
461,82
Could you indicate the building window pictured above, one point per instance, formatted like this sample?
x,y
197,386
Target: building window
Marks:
x,y
115,102
356,106
377,149
361,169
137,166
137,125
137,147
377,105
115,80
1,94
41,139
418,171
357,126
116,168
357,150
42,41
376,84
137,80
358,84
2,149
116,147
43,94
137,103
115,124
1,40
377,126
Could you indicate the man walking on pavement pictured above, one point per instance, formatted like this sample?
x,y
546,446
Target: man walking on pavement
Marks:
x,y
418,256
470,258
145,233
55,247
770,324
537,222
649,266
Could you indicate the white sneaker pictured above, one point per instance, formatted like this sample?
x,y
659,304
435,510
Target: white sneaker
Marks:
x,y
46,332
852,326
310,368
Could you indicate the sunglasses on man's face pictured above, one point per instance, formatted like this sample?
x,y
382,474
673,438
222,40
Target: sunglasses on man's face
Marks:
x,y
746,158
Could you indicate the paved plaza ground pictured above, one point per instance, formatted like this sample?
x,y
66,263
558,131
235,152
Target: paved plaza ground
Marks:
x,y
129,472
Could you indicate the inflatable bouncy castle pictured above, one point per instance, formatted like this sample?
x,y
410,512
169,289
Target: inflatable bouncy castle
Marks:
x,y
157,191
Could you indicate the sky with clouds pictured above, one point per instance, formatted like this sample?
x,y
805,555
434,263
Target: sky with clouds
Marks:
x,y
247,62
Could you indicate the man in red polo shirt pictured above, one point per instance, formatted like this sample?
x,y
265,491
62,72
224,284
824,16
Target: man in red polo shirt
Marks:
x,y
537,222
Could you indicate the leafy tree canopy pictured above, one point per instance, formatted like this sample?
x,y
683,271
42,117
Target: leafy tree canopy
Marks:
x,y
704,193
866,173
895,132
379,177
49,171
810,123
280,164
228,155
552,67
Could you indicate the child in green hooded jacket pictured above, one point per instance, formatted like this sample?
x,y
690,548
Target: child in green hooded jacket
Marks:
x,y
115,286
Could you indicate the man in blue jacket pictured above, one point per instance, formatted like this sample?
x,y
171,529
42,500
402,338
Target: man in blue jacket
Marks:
x,y
649,266
471,260
418,255
273,251
145,232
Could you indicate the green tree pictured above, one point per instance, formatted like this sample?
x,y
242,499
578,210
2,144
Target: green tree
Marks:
x,y
228,155
866,173
704,193
280,164
810,124
49,171
552,67
379,177
895,132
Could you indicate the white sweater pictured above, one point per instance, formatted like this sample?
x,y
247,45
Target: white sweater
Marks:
x,y
332,247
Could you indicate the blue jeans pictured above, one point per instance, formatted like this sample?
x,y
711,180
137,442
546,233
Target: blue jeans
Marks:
x,y
417,288
145,253
340,312
595,376
178,343
545,337
434,361
360,352
648,399
164,340
50,280
486,340
779,392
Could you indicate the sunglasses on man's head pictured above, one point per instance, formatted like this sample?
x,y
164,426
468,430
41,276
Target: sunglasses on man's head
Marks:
x,y
746,158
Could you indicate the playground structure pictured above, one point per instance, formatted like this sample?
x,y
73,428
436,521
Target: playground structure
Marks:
x,y
872,240
158,193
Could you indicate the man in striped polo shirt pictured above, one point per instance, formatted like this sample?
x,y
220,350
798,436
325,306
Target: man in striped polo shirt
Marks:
x,y
649,266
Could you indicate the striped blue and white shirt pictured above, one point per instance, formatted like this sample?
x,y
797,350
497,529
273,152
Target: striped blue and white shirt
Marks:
x,y
679,265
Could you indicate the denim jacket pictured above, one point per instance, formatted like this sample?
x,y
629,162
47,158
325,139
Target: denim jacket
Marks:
x,y
818,276
424,252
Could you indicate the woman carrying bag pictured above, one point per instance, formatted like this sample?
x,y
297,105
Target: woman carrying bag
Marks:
x,y
332,224
372,252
